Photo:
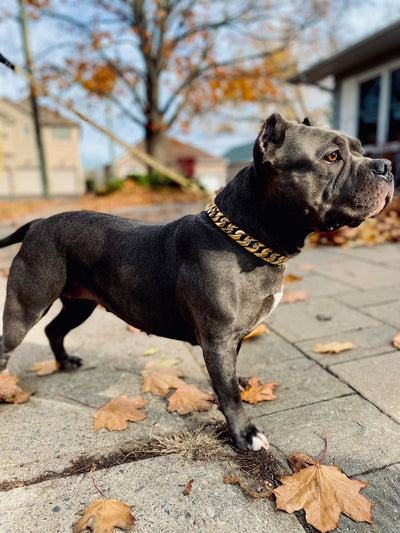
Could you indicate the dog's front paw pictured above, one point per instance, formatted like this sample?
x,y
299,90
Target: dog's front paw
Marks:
x,y
251,439
258,442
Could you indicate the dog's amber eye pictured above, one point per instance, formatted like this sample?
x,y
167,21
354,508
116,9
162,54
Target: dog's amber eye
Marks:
x,y
333,157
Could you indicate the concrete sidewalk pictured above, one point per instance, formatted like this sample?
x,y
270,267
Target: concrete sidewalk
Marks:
x,y
48,444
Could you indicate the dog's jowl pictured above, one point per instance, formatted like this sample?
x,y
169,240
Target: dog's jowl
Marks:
x,y
207,279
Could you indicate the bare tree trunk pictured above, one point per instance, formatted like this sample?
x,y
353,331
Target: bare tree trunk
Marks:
x,y
156,145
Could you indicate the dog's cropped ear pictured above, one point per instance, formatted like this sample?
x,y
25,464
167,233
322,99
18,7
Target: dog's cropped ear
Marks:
x,y
272,132
307,122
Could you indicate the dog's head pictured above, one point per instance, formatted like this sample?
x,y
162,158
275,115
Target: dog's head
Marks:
x,y
321,172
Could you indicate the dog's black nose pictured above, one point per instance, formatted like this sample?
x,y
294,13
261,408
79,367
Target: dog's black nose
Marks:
x,y
382,168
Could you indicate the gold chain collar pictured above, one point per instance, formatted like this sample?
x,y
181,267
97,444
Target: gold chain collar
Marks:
x,y
251,245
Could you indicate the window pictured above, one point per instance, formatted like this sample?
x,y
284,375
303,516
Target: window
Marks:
x,y
394,110
368,110
60,133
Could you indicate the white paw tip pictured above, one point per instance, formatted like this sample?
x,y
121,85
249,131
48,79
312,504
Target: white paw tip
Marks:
x,y
258,442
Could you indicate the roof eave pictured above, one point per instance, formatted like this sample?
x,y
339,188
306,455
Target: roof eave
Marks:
x,y
379,44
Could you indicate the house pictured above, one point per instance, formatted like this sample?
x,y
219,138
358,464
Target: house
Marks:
x,y
19,163
238,157
366,91
207,169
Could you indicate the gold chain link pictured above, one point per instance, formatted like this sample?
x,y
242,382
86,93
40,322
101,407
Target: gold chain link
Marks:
x,y
251,245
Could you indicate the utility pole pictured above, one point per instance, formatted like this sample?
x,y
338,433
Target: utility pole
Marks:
x,y
111,144
33,100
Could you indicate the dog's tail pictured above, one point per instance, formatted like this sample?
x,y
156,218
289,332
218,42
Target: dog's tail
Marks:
x,y
17,236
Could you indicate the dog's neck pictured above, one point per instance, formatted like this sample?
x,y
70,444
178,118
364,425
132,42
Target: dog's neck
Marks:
x,y
245,201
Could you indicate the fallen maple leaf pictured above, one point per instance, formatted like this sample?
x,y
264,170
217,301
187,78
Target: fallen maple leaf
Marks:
x,y
159,364
258,392
332,347
44,368
158,382
102,516
300,460
396,340
291,278
323,492
115,414
259,330
188,398
10,392
294,296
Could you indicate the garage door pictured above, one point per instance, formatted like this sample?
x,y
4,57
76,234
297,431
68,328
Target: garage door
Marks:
x,y
6,184
63,181
27,183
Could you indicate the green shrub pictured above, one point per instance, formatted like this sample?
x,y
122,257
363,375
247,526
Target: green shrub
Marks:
x,y
114,185
154,180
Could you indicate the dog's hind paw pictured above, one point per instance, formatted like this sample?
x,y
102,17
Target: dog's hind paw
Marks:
x,y
258,442
70,362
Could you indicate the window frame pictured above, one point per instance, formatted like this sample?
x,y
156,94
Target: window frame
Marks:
x,y
384,72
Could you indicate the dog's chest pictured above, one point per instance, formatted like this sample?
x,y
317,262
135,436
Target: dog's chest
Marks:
x,y
270,304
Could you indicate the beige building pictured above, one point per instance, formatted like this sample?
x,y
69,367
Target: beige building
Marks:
x,y
19,164
207,169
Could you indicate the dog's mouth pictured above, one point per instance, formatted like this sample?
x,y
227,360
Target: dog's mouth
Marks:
x,y
338,221
381,206
375,212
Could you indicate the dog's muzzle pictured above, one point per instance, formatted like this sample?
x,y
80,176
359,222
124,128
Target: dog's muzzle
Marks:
x,y
382,168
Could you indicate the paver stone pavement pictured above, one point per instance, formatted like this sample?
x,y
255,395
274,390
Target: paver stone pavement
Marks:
x,y
353,296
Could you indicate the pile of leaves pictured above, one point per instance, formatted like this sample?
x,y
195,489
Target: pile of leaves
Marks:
x,y
383,228
131,193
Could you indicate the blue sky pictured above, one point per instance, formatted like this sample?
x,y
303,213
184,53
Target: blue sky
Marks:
x,y
374,15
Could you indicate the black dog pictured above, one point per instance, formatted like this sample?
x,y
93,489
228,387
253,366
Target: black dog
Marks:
x,y
199,279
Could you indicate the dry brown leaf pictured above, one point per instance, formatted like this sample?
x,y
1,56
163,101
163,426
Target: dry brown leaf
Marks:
x,y
300,460
259,330
332,347
102,516
228,480
115,414
323,492
159,382
396,340
306,267
258,392
44,368
291,278
132,329
188,398
294,296
151,351
159,364
10,392
188,488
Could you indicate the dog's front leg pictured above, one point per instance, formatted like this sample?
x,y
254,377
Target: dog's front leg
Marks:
x,y
221,366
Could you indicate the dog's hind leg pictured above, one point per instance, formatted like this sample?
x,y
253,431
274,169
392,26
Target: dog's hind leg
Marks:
x,y
18,319
34,283
73,313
